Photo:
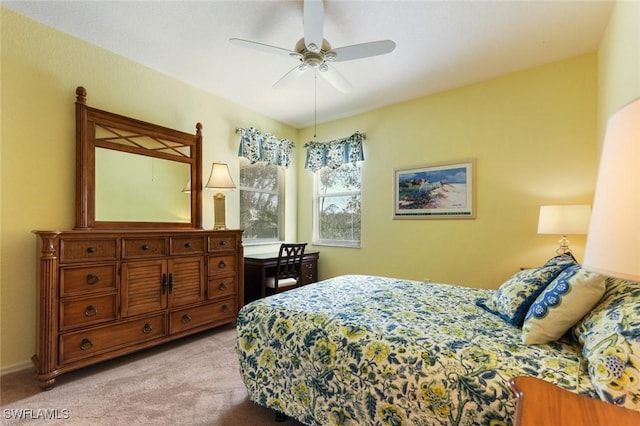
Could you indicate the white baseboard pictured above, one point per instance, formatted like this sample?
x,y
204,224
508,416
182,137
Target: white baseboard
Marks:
x,y
16,367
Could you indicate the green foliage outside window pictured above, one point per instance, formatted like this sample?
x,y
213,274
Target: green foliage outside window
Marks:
x,y
260,201
338,205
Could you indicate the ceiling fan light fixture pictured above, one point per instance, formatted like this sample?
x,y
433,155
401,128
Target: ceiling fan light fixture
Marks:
x,y
315,52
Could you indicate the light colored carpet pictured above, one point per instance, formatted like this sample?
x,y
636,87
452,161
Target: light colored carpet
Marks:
x,y
192,381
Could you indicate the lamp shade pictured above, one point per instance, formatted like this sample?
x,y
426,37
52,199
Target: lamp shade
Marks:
x,y
564,220
220,177
613,243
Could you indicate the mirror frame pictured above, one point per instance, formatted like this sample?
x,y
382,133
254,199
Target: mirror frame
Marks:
x,y
86,120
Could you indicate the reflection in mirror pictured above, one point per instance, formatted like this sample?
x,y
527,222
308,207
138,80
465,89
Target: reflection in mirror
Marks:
x,y
129,187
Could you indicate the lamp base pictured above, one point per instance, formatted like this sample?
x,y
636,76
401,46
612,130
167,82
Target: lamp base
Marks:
x,y
219,214
564,245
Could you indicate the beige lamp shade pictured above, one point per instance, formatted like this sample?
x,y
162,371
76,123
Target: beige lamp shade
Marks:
x,y
613,243
220,178
564,220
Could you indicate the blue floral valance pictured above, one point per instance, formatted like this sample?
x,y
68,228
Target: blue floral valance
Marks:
x,y
335,153
256,146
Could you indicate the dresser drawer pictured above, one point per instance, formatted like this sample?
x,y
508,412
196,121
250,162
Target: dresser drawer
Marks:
x,y
86,343
221,265
74,250
134,248
87,279
220,243
186,319
221,287
87,311
186,245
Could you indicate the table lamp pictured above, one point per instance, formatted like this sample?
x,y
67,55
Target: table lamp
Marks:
x,y
613,244
564,220
220,179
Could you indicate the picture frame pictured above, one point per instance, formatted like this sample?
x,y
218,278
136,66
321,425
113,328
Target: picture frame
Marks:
x,y
443,190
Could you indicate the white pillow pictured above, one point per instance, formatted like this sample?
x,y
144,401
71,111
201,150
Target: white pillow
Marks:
x,y
568,298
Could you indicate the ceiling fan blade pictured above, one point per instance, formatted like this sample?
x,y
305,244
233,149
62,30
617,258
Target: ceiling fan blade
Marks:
x,y
363,50
336,79
265,47
290,76
313,24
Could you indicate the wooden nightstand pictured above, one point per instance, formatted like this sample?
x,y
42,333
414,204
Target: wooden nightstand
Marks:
x,y
543,403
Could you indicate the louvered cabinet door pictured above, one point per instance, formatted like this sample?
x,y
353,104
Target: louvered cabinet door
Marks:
x,y
144,287
186,280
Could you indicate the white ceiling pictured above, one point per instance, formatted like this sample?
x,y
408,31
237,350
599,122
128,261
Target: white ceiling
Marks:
x,y
439,45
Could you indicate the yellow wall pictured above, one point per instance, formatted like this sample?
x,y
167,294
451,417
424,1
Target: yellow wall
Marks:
x,y
533,135
619,61
41,68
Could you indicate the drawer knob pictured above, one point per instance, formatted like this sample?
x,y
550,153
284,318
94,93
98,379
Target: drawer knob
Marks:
x,y
92,279
225,308
146,329
86,344
222,286
186,319
90,250
145,247
90,311
187,245
222,264
223,243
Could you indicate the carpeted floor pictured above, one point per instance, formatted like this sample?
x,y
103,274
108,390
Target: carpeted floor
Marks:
x,y
193,381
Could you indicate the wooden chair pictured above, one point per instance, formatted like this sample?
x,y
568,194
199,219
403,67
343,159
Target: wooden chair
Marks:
x,y
287,268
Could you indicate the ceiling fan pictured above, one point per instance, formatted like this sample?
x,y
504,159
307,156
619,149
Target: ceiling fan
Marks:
x,y
314,52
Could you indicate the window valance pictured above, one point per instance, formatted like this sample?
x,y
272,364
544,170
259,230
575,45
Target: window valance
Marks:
x,y
335,153
256,146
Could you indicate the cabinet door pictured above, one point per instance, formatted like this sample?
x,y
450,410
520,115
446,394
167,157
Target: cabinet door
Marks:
x,y
186,280
144,287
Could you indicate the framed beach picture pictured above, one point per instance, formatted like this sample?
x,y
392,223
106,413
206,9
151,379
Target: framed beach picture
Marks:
x,y
435,191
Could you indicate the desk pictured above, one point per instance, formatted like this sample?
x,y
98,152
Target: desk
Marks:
x,y
257,267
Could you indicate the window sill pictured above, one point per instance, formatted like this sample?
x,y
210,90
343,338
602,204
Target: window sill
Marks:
x,y
347,244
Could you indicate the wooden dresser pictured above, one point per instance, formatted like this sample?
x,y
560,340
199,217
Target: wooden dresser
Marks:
x,y
102,294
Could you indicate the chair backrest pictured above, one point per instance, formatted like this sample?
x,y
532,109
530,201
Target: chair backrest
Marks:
x,y
289,261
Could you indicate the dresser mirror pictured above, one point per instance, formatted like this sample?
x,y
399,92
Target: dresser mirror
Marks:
x,y
133,174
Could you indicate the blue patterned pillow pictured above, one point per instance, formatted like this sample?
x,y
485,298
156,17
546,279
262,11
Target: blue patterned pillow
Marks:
x,y
573,293
561,259
514,297
610,337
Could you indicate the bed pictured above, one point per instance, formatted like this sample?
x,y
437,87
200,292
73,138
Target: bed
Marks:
x,y
359,349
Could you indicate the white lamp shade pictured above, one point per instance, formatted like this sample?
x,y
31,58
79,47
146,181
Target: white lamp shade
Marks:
x,y
564,220
220,177
613,244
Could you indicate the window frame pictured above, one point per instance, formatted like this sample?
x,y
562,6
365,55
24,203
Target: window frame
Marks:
x,y
316,240
280,192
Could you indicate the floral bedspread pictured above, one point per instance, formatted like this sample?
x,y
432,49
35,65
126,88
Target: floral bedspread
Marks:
x,y
364,350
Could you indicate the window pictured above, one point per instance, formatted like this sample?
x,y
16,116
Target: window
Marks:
x,y
337,205
261,201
